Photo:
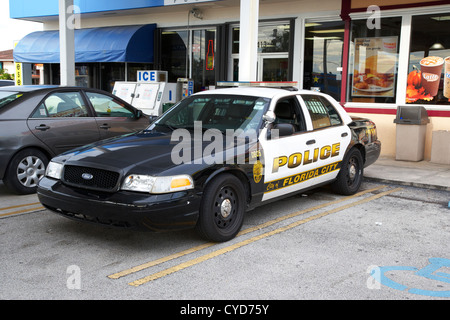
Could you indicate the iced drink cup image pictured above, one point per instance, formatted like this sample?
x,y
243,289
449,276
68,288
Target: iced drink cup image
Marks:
x,y
447,78
431,68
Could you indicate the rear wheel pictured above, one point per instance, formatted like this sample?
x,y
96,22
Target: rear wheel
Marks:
x,y
222,209
350,176
25,170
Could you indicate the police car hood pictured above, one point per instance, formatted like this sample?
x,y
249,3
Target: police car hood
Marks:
x,y
141,153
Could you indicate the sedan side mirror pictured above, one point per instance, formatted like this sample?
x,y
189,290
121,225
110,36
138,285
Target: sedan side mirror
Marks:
x,y
138,114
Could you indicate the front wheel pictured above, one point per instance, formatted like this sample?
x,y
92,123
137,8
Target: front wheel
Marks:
x,y
222,209
350,176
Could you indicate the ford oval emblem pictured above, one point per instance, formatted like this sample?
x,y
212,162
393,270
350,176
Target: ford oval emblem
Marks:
x,y
87,176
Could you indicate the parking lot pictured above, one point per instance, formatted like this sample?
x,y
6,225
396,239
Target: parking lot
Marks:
x,y
386,242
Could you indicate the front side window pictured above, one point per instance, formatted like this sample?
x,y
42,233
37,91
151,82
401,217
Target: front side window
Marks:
x,y
61,105
106,106
287,110
374,61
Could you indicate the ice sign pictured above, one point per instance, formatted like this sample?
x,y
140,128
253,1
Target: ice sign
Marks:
x,y
151,76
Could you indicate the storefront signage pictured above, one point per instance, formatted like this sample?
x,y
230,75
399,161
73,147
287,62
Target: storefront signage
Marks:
x,y
146,76
19,76
375,63
424,83
151,76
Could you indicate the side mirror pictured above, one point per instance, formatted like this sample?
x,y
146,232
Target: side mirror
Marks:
x,y
269,117
284,129
138,114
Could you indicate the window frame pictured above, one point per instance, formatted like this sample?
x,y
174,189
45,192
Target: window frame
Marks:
x,y
326,104
403,61
84,105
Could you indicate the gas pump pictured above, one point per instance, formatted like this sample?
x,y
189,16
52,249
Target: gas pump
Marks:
x,y
185,88
149,93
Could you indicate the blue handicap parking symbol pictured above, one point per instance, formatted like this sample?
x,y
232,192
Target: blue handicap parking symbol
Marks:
x,y
432,272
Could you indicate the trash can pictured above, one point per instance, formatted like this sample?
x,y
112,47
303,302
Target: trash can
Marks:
x,y
411,131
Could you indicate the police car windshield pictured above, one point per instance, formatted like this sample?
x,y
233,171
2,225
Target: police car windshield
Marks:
x,y
220,112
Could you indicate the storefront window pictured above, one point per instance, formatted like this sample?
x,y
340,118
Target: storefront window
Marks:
x,y
201,67
428,79
373,61
173,54
133,68
271,38
110,72
323,57
273,52
203,49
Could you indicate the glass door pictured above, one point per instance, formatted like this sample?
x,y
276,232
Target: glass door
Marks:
x,y
273,52
273,67
324,43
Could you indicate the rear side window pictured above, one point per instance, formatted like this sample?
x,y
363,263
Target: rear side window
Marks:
x,y
322,112
61,105
7,97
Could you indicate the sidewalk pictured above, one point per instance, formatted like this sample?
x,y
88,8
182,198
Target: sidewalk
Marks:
x,y
422,174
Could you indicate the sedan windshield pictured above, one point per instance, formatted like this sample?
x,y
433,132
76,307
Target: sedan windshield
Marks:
x,y
7,97
220,112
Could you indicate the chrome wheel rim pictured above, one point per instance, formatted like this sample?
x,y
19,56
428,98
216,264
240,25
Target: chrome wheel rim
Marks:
x,y
30,170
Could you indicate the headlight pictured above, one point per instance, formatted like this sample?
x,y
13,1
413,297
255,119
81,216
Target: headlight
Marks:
x,y
54,170
151,184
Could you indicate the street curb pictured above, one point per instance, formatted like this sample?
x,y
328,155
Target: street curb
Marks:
x,y
409,183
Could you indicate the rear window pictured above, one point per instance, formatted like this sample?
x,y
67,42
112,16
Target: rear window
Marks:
x,y
7,97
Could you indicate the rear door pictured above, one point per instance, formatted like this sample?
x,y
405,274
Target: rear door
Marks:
x,y
63,121
330,134
309,156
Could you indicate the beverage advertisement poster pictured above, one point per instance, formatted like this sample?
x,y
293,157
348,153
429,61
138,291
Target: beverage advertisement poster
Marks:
x,y
375,67
424,81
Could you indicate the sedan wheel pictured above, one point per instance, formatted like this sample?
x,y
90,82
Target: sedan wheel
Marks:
x,y
350,175
30,170
222,209
25,170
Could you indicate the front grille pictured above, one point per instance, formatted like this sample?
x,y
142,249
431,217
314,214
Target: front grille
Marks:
x,y
91,178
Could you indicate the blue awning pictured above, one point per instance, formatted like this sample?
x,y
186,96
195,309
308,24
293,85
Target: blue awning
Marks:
x,y
107,44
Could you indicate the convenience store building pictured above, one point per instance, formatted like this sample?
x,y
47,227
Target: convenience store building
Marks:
x,y
366,54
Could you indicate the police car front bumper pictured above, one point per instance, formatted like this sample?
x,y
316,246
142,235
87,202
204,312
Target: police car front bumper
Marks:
x,y
161,212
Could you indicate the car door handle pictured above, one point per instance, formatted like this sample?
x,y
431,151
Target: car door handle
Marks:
x,y
344,134
105,126
310,142
42,127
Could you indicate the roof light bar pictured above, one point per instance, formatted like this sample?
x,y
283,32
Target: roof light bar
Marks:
x,y
270,84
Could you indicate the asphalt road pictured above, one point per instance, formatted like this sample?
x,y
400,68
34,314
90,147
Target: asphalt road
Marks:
x,y
387,242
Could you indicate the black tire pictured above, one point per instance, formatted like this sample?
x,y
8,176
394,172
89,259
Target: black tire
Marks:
x,y
350,176
222,209
25,170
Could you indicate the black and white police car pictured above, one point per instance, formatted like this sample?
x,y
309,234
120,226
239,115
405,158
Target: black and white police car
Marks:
x,y
212,157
